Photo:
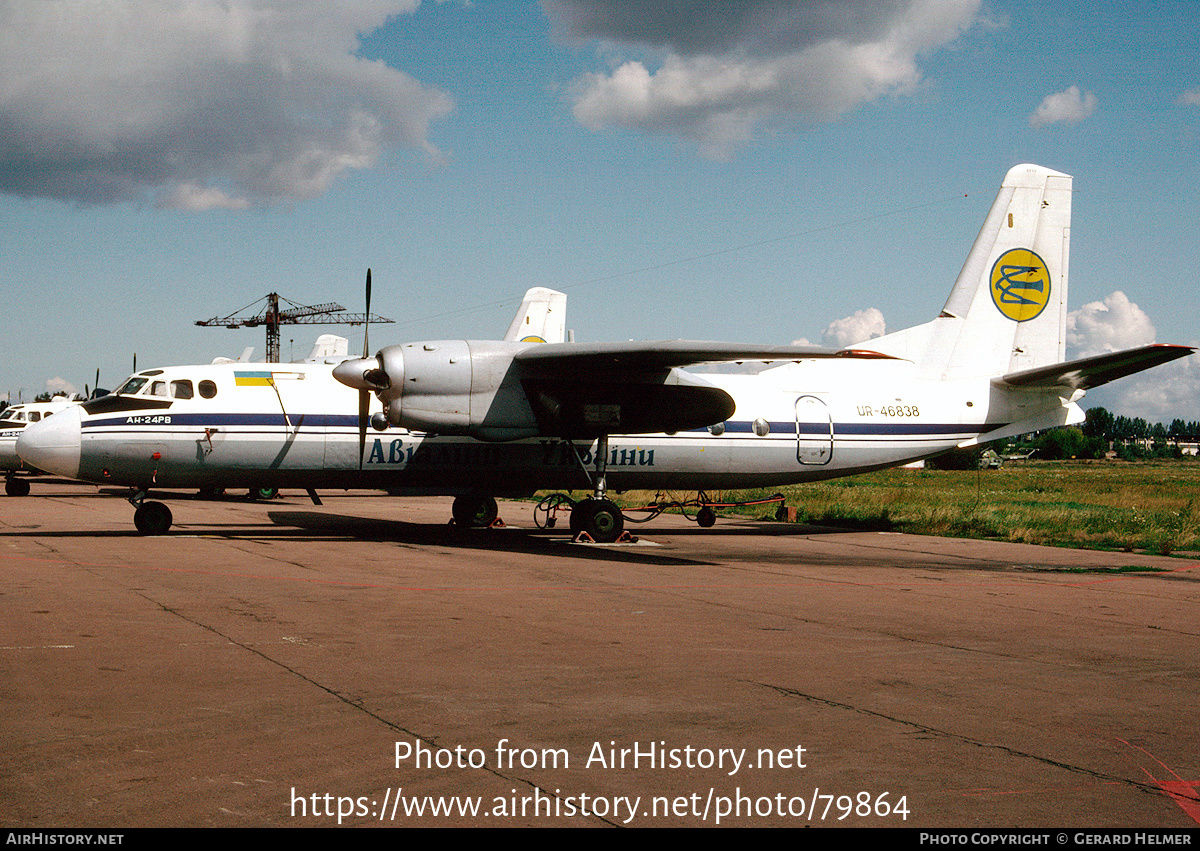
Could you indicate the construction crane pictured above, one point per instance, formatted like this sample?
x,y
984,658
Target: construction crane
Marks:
x,y
272,317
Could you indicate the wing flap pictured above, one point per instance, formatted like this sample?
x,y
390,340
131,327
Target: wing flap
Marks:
x,y
1086,373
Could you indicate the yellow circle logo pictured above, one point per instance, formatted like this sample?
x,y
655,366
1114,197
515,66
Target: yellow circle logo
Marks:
x,y
1020,284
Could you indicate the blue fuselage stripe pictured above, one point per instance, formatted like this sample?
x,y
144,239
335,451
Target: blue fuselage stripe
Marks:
x,y
167,422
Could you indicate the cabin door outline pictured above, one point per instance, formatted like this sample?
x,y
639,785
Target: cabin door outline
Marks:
x,y
814,431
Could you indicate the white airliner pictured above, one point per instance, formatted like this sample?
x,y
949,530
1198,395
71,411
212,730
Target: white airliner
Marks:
x,y
13,421
481,419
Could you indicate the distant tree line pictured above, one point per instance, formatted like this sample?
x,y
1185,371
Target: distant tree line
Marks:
x,y
1129,437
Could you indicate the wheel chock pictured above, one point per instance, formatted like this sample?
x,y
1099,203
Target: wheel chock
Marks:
x,y
585,538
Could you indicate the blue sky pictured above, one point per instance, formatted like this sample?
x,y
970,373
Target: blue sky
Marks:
x,y
764,171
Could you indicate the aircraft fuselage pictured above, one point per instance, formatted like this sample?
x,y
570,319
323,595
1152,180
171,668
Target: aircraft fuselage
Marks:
x,y
293,425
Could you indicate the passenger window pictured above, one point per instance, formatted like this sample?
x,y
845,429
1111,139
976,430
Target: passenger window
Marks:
x,y
208,389
181,389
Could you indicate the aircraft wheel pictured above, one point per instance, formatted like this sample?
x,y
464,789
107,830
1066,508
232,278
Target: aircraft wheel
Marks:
x,y
474,512
706,517
16,487
264,493
600,518
152,518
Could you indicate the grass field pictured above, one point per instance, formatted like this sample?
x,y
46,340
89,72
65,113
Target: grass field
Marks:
x,y
1151,506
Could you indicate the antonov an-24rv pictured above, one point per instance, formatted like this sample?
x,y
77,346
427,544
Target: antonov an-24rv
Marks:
x,y
479,420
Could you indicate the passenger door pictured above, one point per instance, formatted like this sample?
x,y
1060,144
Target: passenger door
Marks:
x,y
814,431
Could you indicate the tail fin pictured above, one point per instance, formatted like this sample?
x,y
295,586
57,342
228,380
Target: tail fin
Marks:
x,y
1008,309
542,318
328,346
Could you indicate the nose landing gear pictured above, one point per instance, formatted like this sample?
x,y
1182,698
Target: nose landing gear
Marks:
x,y
150,518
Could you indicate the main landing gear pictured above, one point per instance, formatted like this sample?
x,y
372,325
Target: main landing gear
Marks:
x,y
595,519
472,511
598,519
150,518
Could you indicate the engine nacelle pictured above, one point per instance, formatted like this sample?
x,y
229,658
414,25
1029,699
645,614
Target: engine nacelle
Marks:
x,y
455,387
479,389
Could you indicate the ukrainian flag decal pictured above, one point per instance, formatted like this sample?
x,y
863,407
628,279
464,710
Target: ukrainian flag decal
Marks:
x,y
252,379
1020,284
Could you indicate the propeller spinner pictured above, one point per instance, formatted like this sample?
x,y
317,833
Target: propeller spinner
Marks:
x,y
363,374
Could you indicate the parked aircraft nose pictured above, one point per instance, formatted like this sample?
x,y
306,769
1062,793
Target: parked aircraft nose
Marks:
x,y
53,443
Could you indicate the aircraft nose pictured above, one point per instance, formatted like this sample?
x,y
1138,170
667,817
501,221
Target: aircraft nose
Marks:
x,y
53,444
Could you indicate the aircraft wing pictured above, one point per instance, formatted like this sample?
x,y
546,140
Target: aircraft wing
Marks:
x,y
585,390
1085,373
641,356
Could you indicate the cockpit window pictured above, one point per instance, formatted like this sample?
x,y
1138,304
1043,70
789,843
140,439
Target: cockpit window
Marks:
x,y
181,389
158,388
208,389
34,416
131,386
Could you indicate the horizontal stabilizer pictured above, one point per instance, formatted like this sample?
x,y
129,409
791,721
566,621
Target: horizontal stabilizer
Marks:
x,y
1091,372
668,354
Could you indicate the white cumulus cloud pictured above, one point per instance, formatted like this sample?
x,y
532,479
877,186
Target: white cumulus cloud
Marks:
x,y
199,103
58,384
1110,325
863,325
724,70
1191,97
1161,394
1066,107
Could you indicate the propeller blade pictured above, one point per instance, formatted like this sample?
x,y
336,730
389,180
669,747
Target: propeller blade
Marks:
x,y
365,375
364,395
367,322
364,405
